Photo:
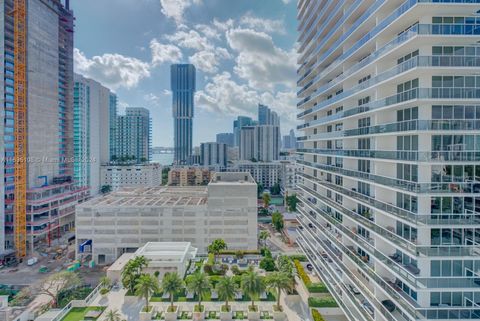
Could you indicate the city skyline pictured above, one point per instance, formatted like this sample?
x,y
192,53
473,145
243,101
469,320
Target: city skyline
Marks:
x,y
228,51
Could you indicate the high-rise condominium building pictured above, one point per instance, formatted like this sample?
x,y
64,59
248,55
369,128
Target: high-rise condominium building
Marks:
x,y
36,94
113,123
133,135
183,91
91,130
226,138
213,155
260,143
390,107
238,124
267,117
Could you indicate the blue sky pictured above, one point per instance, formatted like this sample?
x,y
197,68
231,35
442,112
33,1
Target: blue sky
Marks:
x,y
244,51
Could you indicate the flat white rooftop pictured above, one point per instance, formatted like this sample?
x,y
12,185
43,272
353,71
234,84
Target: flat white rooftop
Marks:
x,y
167,252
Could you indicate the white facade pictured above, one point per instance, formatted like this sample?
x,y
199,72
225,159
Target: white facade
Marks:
x,y
91,131
290,177
125,220
117,176
261,143
390,112
267,174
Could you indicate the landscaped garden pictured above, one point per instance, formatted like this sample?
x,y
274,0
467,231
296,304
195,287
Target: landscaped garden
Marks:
x,y
79,314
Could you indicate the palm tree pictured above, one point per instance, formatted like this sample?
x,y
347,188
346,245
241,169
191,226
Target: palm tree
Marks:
x,y
146,286
266,200
279,281
105,282
226,288
171,283
252,285
113,315
132,271
199,284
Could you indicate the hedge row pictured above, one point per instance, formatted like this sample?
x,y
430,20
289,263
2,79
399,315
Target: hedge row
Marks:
x,y
300,257
235,252
323,302
317,316
311,287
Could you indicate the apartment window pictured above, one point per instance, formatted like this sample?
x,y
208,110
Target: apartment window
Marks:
x,y
339,162
454,205
364,79
408,85
455,81
339,199
407,172
364,143
455,51
455,173
338,216
406,231
338,109
364,165
338,127
407,202
407,142
449,112
364,122
339,180
338,144
407,114
363,232
363,101
363,188
455,142
407,57
448,20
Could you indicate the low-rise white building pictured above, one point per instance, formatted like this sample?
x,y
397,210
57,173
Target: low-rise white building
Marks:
x,y
125,220
265,173
162,257
117,176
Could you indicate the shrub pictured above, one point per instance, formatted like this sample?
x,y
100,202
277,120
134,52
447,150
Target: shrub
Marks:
x,y
317,316
323,302
104,291
265,252
268,264
311,287
299,257
239,254
207,268
235,270
234,252
211,259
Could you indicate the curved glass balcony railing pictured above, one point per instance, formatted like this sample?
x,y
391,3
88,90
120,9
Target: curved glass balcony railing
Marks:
x,y
409,186
413,249
410,64
409,156
419,29
404,126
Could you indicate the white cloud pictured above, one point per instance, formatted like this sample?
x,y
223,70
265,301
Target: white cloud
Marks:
x,y
286,1
175,8
223,25
224,95
189,39
162,53
259,61
205,61
112,70
208,31
263,24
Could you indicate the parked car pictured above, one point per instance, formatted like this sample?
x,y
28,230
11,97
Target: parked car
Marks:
x,y
389,305
367,306
353,289
309,267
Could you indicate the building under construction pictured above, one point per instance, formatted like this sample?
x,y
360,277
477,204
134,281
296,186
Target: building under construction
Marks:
x,y
36,92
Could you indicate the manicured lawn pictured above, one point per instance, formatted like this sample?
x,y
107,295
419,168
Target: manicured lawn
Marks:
x,y
78,314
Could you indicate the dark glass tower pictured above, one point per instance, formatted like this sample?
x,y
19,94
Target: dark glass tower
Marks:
x,y
183,90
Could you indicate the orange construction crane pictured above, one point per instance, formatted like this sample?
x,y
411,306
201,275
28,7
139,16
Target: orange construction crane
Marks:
x,y
20,130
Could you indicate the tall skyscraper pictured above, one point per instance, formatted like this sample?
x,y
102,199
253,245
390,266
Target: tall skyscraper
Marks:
x,y
92,131
267,117
37,99
133,132
213,154
113,123
240,122
389,102
260,143
290,141
183,90
226,138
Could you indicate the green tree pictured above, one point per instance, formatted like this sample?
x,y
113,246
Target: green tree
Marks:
x,y
53,285
113,315
275,189
105,282
252,285
277,221
263,236
199,284
132,271
171,283
266,199
285,265
268,264
259,189
226,289
146,285
216,247
292,202
105,189
279,281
